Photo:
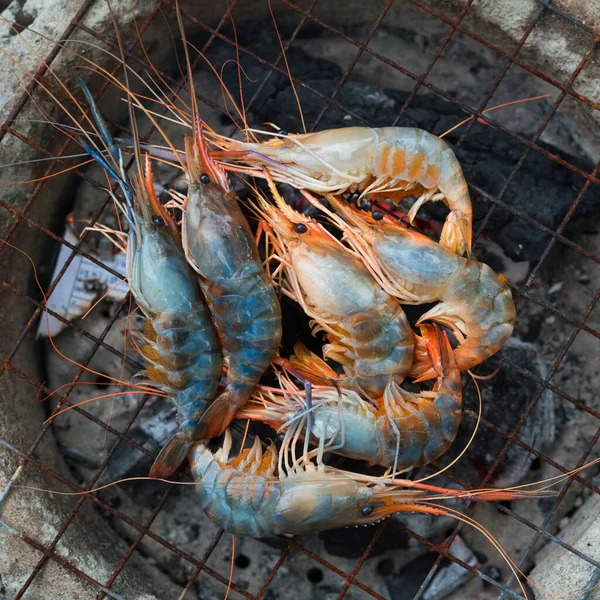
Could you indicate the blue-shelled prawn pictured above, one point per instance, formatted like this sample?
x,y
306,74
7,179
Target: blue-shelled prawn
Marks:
x,y
220,246
179,341
407,430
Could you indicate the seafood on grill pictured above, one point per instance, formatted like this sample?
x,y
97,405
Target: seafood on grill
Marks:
x,y
410,429
179,340
387,162
260,493
367,329
221,248
473,301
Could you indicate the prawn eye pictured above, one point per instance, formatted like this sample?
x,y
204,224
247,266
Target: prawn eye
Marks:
x,y
365,511
205,179
158,221
365,204
377,215
300,228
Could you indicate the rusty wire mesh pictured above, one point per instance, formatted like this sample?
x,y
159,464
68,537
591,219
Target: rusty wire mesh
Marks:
x,y
495,201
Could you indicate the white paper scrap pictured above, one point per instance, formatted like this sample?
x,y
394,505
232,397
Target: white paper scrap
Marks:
x,y
82,283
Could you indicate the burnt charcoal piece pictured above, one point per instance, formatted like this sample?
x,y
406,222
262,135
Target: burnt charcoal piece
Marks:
x,y
127,461
542,189
351,542
505,398
405,582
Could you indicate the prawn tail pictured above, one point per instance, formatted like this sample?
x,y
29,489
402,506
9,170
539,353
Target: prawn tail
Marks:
x,y
456,234
439,350
422,368
315,369
171,456
432,354
218,416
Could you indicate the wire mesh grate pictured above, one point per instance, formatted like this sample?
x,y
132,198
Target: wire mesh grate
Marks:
x,y
21,217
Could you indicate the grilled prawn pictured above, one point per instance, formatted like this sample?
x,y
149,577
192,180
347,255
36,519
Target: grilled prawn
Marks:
x,y
474,302
384,162
259,494
410,430
366,327
180,342
221,248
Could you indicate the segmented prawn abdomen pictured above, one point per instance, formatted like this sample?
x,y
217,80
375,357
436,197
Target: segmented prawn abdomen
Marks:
x,y
409,155
484,302
185,356
424,434
247,311
237,502
247,314
381,343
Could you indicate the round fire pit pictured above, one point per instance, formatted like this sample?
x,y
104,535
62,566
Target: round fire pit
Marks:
x,y
533,178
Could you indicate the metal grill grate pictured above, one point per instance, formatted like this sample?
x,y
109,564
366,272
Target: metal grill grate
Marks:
x,y
22,217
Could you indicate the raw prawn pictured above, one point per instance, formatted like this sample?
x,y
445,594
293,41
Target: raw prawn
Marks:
x,y
384,162
409,430
258,494
366,327
474,302
220,246
179,340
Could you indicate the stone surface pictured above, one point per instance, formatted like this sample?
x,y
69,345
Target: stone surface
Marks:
x,y
559,572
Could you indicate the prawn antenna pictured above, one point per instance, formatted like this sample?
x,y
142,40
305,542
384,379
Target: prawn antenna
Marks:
x,y
134,128
287,66
193,99
117,172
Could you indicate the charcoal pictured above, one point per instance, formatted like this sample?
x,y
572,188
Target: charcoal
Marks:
x,y
127,461
405,582
505,398
542,189
351,542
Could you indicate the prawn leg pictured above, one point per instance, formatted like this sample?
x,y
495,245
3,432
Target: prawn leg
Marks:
x,y
287,365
